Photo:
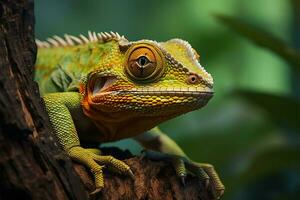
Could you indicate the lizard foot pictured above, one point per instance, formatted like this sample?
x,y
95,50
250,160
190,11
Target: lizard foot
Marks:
x,y
95,162
94,150
205,172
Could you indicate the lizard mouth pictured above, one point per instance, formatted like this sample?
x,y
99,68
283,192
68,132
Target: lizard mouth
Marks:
x,y
103,89
170,92
101,85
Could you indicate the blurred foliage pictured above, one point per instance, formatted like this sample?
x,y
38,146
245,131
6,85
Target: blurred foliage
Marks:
x,y
264,39
284,111
250,129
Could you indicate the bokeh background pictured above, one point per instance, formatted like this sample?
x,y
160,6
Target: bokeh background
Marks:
x,y
250,130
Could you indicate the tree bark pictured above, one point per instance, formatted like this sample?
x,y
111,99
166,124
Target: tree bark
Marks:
x,y
32,166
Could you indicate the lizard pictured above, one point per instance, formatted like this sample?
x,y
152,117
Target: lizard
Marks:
x,y
102,87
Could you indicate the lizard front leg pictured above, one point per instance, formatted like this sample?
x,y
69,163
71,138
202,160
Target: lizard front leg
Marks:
x,y
165,148
58,106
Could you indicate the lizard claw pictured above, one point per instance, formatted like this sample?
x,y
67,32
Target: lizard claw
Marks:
x,y
130,173
182,178
206,183
206,173
221,193
96,162
213,179
96,191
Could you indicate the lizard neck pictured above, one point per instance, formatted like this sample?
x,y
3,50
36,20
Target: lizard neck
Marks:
x,y
119,125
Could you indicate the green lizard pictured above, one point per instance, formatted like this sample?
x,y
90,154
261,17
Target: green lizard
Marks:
x,y
103,88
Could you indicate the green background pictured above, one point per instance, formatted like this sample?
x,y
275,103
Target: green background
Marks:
x,y
249,131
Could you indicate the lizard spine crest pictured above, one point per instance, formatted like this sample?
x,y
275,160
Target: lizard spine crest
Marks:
x,y
71,40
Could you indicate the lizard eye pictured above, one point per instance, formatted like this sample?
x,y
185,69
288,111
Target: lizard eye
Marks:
x,y
144,63
143,60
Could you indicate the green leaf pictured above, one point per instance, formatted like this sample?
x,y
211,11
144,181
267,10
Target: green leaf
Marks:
x,y
264,39
272,159
283,110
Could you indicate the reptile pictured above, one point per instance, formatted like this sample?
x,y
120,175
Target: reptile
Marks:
x,y
102,87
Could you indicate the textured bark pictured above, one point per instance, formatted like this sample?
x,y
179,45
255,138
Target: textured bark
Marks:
x,y
31,164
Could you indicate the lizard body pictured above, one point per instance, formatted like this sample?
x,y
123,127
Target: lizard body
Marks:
x,y
104,88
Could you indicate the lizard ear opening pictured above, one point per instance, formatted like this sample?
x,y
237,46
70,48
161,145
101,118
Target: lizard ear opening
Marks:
x,y
144,63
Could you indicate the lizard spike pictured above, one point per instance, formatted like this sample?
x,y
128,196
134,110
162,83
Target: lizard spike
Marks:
x,y
68,39
107,34
84,39
99,37
76,39
60,40
39,43
46,44
91,39
104,37
53,42
95,36
113,34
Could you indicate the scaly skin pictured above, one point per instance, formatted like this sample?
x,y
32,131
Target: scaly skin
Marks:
x,y
105,88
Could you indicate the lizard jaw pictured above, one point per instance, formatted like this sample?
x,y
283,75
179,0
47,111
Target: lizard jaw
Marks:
x,y
104,92
104,85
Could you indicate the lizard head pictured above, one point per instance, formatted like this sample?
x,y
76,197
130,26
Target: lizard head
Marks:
x,y
147,78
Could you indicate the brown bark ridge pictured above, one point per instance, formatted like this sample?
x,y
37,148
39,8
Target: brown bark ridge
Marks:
x,y
31,164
